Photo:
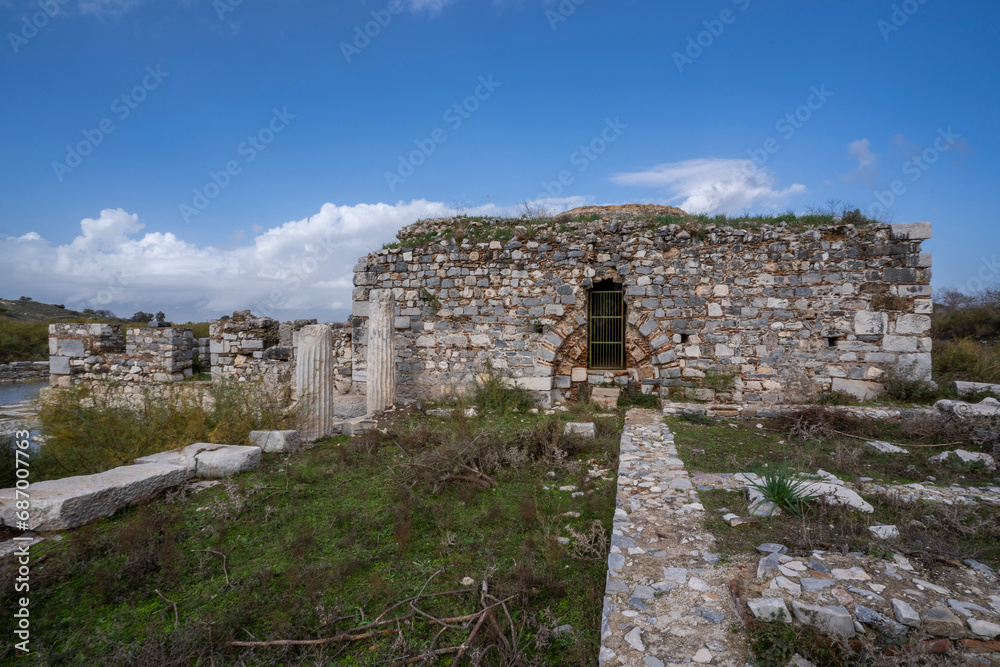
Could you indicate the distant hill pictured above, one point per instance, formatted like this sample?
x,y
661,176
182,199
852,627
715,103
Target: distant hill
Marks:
x,y
36,311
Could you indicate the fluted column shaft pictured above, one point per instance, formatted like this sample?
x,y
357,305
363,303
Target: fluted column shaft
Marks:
x,y
314,381
381,352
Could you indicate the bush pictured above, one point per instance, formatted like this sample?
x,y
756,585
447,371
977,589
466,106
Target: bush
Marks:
x,y
699,418
638,399
89,430
494,392
23,341
966,360
901,388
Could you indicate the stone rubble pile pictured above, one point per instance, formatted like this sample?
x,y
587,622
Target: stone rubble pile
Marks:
x,y
848,595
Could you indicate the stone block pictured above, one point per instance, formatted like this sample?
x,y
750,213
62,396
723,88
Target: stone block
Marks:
x,y
905,614
579,374
583,429
901,275
606,397
963,388
860,389
350,406
913,324
770,609
911,231
72,348
360,308
275,441
71,502
59,366
915,366
226,460
534,383
940,621
833,620
870,324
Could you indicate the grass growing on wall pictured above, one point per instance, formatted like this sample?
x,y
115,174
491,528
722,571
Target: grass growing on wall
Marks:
x,y
90,430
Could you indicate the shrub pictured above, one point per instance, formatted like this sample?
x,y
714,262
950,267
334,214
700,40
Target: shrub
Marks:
x,y
836,398
494,392
699,418
966,360
89,430
23,341
907,390
638,399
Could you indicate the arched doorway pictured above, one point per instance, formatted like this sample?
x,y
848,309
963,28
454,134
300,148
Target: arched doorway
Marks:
x,y
606,324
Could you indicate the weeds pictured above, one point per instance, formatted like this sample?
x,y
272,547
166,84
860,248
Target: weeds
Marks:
x,y
699,418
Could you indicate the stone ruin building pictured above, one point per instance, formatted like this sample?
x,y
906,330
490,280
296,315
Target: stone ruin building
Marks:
x,y
751,314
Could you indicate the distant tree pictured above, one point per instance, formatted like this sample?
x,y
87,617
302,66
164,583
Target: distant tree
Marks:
x,y
89,311
26,298
61,305
142,317
106,313
160,317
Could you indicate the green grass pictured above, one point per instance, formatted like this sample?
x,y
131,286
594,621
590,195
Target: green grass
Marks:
x,y
930,529
325,540
722,448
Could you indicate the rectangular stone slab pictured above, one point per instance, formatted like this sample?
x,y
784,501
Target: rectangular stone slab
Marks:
x,y
76,501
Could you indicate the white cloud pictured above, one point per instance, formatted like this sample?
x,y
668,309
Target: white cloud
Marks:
x,y
867,171
711,185
862,151
107,7
302,268
432,6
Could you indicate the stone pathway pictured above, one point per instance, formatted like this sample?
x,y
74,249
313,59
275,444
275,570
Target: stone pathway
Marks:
x,y
666,600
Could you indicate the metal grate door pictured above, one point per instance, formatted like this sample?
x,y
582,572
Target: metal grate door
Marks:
x,y
607,331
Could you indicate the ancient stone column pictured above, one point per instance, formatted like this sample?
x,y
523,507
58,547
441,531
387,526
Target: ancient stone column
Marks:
x,y
381,353
314,374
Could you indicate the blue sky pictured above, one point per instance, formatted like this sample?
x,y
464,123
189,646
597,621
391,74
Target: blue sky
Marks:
x,y
197,157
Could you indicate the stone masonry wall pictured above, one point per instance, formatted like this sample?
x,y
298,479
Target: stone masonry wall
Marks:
x,y
766,315
84,352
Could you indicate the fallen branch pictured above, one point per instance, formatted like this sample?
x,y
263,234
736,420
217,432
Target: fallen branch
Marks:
x,y
315,642
218,553
177,620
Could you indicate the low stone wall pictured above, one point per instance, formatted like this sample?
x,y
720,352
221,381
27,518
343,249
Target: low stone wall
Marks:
x,y
24,371
139,355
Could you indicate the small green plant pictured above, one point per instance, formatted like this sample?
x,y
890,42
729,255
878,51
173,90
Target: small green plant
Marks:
x,y
836,398
430,299
699,418
390,246
779,486
638,399
496,393
901,386
536,325
721,380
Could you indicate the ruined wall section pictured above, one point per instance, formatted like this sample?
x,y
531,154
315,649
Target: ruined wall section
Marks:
x,y
139,355
744,315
